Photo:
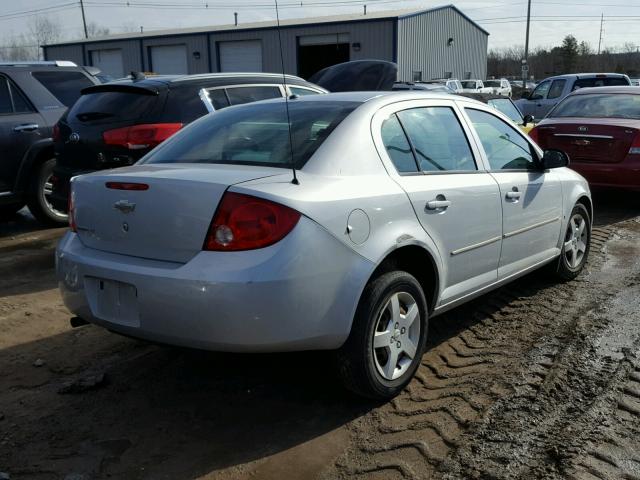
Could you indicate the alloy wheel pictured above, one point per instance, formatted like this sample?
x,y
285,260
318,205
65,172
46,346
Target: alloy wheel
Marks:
x,y
575,243
396,336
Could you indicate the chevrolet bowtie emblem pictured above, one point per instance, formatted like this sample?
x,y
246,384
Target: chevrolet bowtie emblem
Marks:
x,y
124,206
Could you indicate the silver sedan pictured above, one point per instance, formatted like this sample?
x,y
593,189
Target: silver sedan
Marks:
x,y
404,206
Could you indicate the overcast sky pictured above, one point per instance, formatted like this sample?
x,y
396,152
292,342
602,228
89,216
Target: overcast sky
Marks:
x,y
504,19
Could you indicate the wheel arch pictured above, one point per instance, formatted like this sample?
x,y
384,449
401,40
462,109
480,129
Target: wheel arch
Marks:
x,y
39,152
417,261
588,204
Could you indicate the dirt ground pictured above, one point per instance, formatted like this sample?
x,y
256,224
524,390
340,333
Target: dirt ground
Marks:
x,y
535,380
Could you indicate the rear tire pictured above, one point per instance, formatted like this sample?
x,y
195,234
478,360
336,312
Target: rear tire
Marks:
x,y
39,191
576,244
387,339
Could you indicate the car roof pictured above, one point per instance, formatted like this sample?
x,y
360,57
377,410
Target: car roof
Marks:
x,y
614,89
381,97
588,75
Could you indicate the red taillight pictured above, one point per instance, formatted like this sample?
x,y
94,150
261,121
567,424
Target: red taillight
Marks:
x,y
635,146
137,137
126,186
243,222
55,135
71,212
533,133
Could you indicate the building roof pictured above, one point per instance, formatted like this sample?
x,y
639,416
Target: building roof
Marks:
x,y
381,15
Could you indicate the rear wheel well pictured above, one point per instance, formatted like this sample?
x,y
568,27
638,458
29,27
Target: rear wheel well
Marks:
x,y
584,200
30,166
417,262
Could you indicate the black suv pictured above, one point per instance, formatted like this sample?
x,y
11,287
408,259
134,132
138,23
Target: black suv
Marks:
x,y
115,124
33,97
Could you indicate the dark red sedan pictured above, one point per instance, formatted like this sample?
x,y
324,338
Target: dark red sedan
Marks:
x,y
599,128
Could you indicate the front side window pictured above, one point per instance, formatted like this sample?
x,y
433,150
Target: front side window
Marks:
x,y
240,95
65,86
506,149
557,87
397,146
507,107
437,138
255,134
541,91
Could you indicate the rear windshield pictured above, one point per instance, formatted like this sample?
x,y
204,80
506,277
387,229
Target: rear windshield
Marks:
x,y
492,83
507,107
600,82
255,134
111,106
599,105
468,84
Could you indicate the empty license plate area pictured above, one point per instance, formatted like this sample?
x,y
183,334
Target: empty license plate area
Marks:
x,y
113,301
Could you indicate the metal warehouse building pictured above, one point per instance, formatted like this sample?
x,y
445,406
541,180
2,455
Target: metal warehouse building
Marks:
x,y
435,43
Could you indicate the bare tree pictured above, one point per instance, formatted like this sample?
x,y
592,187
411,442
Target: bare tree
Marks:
x,y
95,30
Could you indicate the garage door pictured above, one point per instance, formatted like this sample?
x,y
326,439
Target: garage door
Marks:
x,y
244,56
169,59
109,61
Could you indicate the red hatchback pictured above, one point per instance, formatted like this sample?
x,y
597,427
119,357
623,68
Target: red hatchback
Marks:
x,y
599,128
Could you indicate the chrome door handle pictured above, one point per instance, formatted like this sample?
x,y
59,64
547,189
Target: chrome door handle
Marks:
x,y
27,127
438,204
514,195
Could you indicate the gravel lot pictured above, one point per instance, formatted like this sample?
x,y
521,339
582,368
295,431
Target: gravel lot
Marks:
x,y
535,380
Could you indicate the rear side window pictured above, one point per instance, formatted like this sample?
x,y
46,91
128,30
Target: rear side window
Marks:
x,y
302,91
20,102
112,106
506,149
397,146
240,95
255,134
218,98
600,82
438,141
65,86
184,105
5,97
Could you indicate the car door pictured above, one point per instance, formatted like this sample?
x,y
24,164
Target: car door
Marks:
x,y
531,198
553,96
528,106
456,201
19,128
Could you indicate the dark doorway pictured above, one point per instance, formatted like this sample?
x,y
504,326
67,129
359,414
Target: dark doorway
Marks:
x,y
313,58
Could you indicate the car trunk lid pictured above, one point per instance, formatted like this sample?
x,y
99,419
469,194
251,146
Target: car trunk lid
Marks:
x,y
589,140
160,212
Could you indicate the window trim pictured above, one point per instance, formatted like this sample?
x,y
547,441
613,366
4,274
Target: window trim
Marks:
x,y
6,82
534,148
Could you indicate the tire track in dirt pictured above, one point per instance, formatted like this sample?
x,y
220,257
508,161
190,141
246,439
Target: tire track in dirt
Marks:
x,y
467,369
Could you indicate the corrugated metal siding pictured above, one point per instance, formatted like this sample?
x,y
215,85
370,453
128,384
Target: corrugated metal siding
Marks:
x,y
375,38
422,46
194,43
68,52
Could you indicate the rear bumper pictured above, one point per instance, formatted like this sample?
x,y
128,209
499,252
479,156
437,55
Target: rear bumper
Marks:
x,y
299,294
624,175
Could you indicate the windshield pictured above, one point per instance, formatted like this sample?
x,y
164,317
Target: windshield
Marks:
x,y
255,134
469,84
507,107
492,83
599,105
110,105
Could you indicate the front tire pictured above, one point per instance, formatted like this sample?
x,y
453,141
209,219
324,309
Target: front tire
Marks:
x,y
575,244
40,190
387,339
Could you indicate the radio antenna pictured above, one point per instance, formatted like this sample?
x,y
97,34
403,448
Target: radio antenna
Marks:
x,y
286,99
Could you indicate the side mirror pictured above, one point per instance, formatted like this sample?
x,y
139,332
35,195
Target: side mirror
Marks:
x,y
554,159
528,119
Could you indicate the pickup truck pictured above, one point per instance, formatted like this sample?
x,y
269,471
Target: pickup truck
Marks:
x,y
475,86
553,89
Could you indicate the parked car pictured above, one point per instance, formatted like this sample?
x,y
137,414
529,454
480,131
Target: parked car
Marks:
x,y
451,83
33,96
600,130
551,90
357,75
499,87
507,107
406,204
635,82
116,124
425,86
475,86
